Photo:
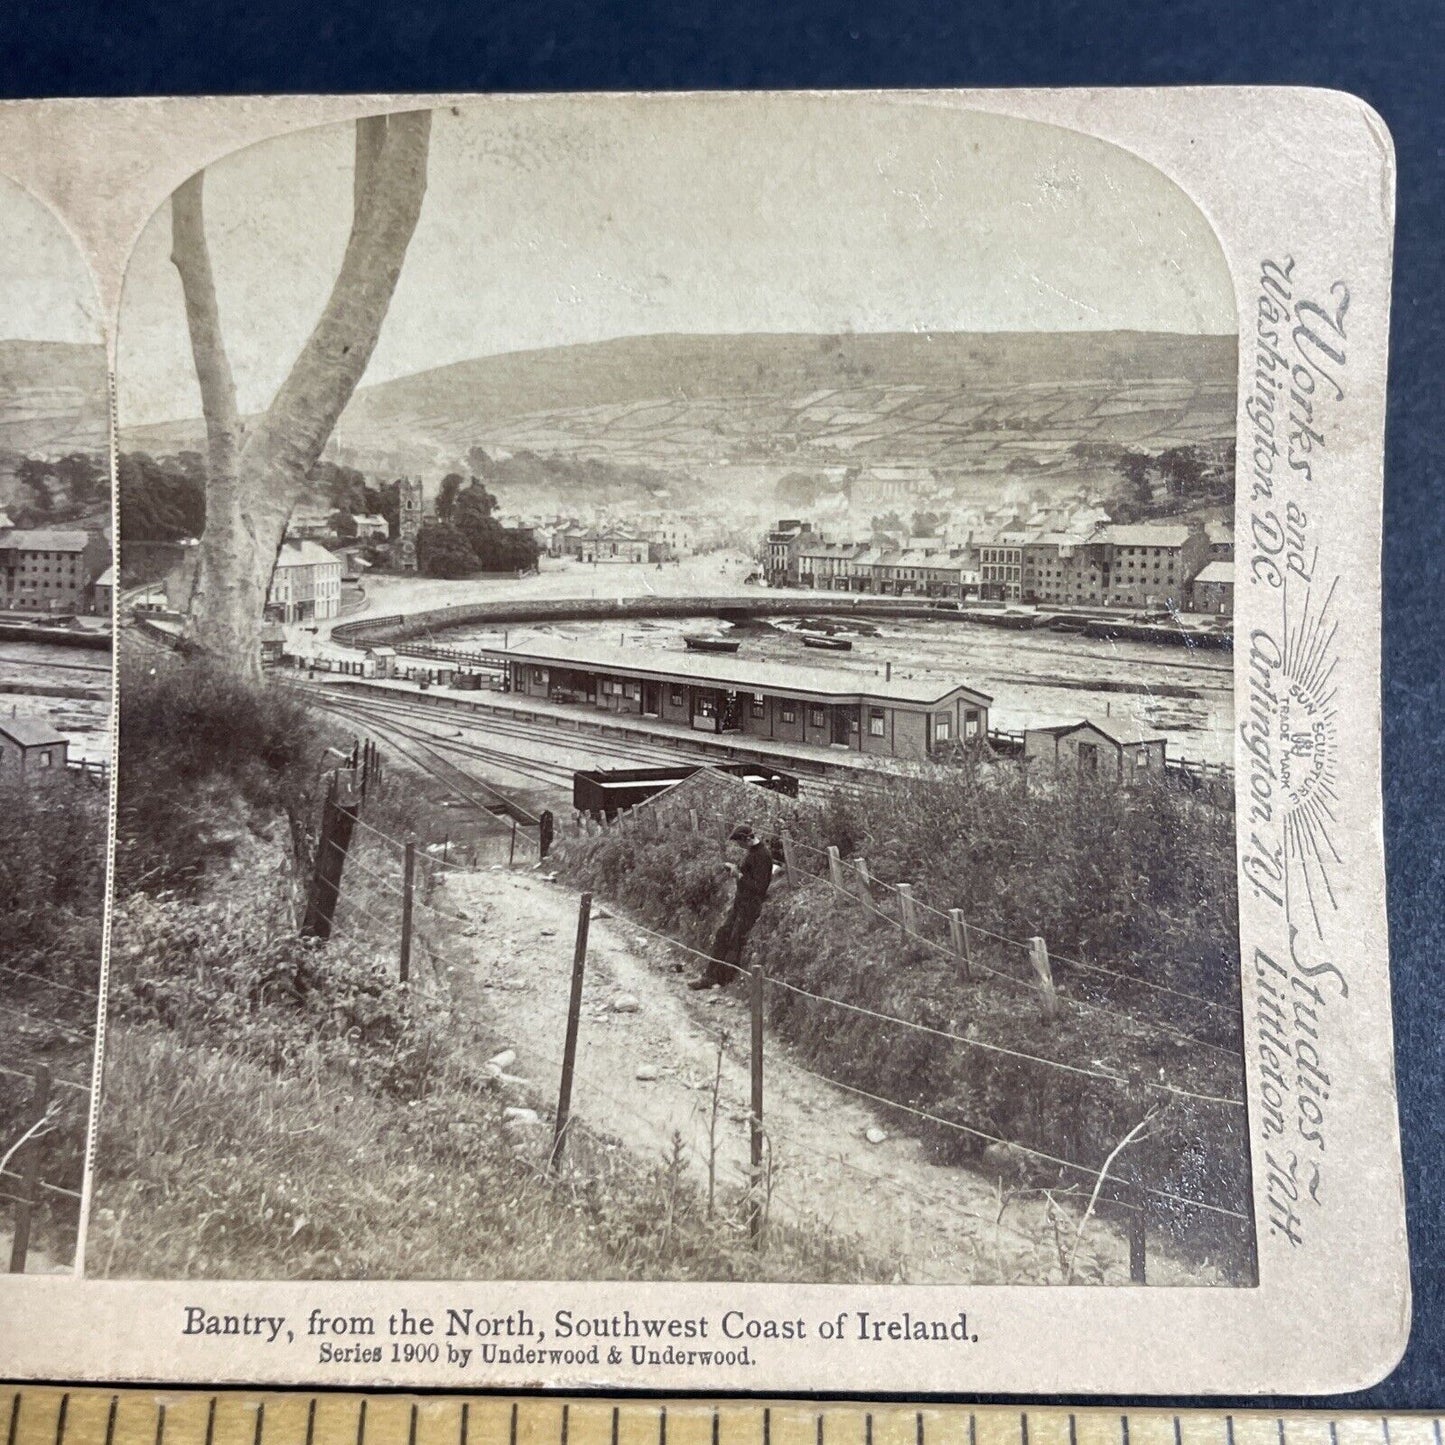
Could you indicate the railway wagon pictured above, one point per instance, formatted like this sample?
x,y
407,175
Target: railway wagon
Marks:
x,y
609,791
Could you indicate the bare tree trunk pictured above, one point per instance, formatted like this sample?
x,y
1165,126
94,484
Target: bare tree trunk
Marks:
x,y
255,483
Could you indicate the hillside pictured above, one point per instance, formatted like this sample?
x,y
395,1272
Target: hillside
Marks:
x,y
951,401
53,398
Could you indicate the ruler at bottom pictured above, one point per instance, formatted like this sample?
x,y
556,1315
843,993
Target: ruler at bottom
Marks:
x,y
88,1416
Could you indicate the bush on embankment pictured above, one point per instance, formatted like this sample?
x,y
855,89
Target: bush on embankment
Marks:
x,y
52,888
1010,858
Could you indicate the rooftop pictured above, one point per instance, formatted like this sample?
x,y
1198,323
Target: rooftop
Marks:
x,y
1217,572
1146,534
781,679
29,732
304,554
45,539
1117,730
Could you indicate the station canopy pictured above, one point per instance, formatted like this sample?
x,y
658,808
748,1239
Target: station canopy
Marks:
x,y
739,674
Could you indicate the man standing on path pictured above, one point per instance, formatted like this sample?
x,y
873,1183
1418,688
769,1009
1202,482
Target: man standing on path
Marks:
x,y
754,876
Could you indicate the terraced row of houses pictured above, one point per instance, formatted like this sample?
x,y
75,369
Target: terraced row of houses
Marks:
x,y
1185,566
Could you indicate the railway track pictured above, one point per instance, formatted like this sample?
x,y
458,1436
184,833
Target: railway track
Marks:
x,y
425,751
622,752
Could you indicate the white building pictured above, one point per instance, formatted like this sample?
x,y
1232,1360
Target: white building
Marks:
x,y
305,585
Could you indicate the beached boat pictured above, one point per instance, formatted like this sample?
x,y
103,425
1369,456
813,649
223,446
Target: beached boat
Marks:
x,y
711,644
829,644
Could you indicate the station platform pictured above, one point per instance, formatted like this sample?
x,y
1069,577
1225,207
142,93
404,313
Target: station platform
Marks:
x,y
804,758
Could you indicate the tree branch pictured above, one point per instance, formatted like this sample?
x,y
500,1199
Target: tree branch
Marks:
x,y
1114,1153
192,259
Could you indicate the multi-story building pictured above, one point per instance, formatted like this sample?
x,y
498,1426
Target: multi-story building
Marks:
x,y
1001,565
780,560
1221,541
305,584
1064,567
1151,564
50,569
371,527
1213,589
608,545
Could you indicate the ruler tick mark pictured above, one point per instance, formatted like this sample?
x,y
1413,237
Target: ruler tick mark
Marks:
x,y
311,1421
211,1420
1024,1427
160,1422
260,1423
110,1420
14,1419
410,1429
512,1428
360,1425
615,1413
768,1429
566,1421
60,1418
918,1428
662,1426
466,1408
1073,1430
1178,1432
715,1426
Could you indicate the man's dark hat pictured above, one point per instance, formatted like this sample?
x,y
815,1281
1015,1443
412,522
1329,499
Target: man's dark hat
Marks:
x,y
741,834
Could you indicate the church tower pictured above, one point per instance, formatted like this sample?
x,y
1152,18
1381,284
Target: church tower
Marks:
x,y
410,505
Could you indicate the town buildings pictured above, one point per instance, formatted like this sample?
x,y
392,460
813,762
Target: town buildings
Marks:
x,y
305,584
1141,565
51,569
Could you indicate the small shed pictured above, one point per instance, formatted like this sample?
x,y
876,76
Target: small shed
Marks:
x,y
380,662
1090,749
31,749
273,642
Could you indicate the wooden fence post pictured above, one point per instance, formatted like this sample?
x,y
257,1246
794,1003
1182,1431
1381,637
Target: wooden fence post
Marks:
x,y
29,1195
1039,957
909,910
755,1182
692,819
865,879
408,890
958,936
835,866
574,1014
790,862
338,819
512,846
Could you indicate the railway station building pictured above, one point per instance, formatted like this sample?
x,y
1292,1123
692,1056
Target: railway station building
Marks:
x,y
908,718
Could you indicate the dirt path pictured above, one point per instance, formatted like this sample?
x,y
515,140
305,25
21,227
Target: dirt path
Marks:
x,y
938,1224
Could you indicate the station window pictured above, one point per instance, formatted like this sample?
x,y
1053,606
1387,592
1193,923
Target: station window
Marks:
x,y
788,711
44,758
942,727
876,721
818,717
758,706
674,696
971,723
539,675
1141,759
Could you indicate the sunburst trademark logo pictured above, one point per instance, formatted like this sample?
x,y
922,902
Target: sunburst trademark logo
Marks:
x,y
1292,737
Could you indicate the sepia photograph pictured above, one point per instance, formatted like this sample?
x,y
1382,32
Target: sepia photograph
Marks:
x,y
56,587
677,732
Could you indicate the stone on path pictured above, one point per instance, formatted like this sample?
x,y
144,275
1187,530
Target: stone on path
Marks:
x,y
516,1115
625,1003
503,1060
646,1071
875,1135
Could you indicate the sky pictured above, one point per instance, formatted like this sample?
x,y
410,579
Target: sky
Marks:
x,y
46,291
551,221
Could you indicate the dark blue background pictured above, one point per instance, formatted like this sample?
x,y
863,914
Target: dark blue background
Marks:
x,y
1392,54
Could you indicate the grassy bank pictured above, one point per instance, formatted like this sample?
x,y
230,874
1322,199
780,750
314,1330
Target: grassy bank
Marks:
x,y
52,880
1140,882
275,1107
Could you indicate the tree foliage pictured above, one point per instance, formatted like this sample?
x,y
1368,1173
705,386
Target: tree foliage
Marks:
x,y
442,551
